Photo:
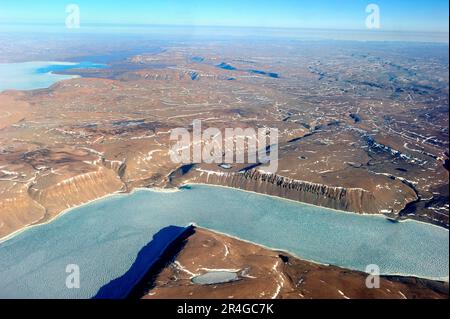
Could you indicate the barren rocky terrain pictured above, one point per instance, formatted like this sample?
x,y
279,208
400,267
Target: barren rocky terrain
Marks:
x,y
265,274
363,127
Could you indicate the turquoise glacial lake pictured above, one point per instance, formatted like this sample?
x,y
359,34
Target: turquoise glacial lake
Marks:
x,y
104,237
36,75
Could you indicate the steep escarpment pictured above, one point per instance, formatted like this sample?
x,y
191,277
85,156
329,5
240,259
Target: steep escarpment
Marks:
x,y
17,212
76,190
348,199
38,184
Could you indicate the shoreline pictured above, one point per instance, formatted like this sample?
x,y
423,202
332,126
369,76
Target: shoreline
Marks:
x,y
194,224
445,279
321,207
68,210
67,76
179,188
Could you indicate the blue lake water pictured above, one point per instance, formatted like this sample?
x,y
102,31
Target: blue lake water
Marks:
x,y
105,237
37,75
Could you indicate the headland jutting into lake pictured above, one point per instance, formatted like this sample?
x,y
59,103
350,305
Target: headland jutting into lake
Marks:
x,y
104,238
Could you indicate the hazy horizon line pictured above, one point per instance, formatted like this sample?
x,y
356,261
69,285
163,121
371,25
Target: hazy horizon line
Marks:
x,y
149,25
198,30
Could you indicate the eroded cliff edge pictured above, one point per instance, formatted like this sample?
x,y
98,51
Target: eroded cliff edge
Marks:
x,y
49,195
355,200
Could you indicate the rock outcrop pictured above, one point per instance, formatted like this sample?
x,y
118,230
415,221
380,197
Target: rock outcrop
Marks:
x,y
76,191
18,212
348,199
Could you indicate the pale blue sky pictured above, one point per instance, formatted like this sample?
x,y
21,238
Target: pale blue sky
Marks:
x,y
396,15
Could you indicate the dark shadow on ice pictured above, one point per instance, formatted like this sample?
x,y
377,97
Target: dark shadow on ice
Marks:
x,y
151,259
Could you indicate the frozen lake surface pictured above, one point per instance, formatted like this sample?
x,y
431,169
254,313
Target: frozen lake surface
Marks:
x,y
36,75
104,238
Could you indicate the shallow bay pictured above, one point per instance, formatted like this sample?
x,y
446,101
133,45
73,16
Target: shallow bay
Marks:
x,y
36,75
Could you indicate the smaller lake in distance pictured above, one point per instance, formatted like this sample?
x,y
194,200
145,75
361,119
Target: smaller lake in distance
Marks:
x,y
37,75
215,277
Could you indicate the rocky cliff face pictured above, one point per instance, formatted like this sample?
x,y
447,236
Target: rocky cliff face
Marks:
x,y
38,185
348,199
17,212
76,190
43,200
